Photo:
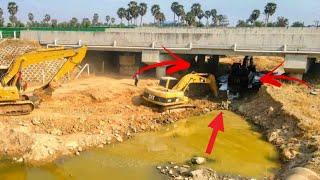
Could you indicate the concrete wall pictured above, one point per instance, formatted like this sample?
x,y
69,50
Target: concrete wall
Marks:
x,y
190,40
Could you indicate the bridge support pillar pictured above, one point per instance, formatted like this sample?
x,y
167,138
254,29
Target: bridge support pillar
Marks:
x,y
154,56
296,65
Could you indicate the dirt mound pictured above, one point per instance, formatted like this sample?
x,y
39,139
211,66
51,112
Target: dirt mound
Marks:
x,y
263,63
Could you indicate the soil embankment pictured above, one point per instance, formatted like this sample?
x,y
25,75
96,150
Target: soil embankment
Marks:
x,y
289,118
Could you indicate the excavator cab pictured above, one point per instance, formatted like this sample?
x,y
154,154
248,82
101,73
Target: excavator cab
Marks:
x,y
168,82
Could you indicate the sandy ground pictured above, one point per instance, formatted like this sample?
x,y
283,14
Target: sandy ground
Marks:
x,y
90,112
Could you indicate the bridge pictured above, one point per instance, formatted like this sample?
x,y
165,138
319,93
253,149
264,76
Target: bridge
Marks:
x,y
299,46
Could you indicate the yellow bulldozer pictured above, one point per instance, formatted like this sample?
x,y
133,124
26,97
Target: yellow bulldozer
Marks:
x,y
169,95
13,101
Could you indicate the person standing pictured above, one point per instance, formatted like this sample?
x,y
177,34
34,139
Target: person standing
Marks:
x,y
136,79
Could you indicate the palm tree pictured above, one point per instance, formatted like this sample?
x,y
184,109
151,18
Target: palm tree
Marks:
x,y
95,19
74,22
254,16
196,10
222,20
214,16
31,17
46,19
160,17
269,10
200,16
142,11
1,18
128,16
174,8
54,23
121,13
113,20
180,11
155,9
108,19
134,10
207,15
190,18
86,22
282,21
13,9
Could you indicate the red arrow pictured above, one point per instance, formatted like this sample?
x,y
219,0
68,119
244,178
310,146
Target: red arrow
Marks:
x,y
269,78
178,64
217,125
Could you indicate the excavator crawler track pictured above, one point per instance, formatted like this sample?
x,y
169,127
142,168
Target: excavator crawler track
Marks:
x,y
174,107
16,108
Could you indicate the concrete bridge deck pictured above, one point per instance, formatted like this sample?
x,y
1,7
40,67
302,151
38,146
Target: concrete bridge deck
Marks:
x,y
297,45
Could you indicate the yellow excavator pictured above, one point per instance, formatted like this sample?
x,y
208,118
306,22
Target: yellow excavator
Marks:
x,y
169,96
15,102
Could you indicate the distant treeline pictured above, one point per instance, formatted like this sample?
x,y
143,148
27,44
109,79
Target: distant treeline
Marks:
x,y
133,14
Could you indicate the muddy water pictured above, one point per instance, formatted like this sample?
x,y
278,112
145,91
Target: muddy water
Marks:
x,y
239,150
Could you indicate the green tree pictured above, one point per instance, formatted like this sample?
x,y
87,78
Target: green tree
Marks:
x,y
258,24
113,20
160,17
31,17
297,24
174,8
214,14
269,10
190,18
86,22
155,9
128,16
46,19
196,10
254,16
74,22
134,10
95,19
142,11
121,13
242,23
200,16
180,11
282,22
207,15
54,23
108,18
222,20
13,9
1,18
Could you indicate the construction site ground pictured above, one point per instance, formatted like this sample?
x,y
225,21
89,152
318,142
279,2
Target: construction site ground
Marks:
x,y
96,111
84,113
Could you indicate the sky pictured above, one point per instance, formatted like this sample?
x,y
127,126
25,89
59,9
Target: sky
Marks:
x,y
63,10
